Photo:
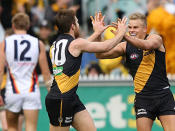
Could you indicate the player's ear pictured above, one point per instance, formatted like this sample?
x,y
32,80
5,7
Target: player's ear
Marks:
x,y
73,27
145,29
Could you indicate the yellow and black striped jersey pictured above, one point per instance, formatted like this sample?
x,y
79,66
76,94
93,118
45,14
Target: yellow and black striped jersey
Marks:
x,y
148,70
66,68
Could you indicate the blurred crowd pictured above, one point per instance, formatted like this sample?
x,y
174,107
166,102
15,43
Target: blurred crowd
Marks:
x,y
160,16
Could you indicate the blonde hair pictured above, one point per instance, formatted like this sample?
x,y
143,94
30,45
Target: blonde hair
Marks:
x,y
21,21
136,16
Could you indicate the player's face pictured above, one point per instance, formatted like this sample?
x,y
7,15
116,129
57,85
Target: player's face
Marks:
x,y
76,31
137,28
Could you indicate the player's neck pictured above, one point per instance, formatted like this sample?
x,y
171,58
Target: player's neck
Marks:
x,y
71,32
20,32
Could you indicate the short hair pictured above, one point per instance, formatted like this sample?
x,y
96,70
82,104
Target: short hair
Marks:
x,y
64,19
21,21
140,16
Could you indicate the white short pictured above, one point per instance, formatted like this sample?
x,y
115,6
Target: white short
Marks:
x,y
26,101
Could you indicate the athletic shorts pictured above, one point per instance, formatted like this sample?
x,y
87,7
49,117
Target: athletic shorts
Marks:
x,y
26,101
61,111
154,107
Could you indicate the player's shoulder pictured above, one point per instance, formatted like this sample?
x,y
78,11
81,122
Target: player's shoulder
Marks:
x,y
79,40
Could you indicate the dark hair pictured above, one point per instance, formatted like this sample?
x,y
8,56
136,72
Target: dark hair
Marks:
x,y
21,21
94,65
64,19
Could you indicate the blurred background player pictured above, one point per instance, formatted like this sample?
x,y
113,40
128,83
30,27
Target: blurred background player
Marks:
x,y
22,52
93,69
160,20
3,119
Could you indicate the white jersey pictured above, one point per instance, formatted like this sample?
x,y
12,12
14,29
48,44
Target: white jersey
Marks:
x,y
22,52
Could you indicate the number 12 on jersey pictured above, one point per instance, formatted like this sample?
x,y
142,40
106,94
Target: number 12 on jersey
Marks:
x,y
58,52
23,56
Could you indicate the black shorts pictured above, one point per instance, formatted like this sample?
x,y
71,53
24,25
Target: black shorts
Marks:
x,y
61,111
154,107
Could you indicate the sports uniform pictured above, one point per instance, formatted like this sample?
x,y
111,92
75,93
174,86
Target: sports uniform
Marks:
x,y
22,90
62,102
153,95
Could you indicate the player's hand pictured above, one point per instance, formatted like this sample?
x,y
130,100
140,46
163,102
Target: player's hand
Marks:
x,y
98,23
1,101
115,25
120,25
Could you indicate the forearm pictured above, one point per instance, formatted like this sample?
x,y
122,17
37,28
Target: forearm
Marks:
x,y
94,37
139,43
111,43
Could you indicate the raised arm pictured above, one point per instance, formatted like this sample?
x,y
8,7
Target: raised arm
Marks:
x,y
153,41
81,45
44,66
98,26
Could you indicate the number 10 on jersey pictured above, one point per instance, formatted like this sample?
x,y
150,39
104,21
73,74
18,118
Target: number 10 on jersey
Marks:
x,y
58,50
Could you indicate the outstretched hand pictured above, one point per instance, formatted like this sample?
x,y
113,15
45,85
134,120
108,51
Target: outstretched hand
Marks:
x,y
120,25
98,23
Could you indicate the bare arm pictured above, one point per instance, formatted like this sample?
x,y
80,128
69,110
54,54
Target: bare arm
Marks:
x,y
153,41
44,66
117,51
81,45
94,37
98,27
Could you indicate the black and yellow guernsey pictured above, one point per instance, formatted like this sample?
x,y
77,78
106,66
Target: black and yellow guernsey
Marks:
x,y
66,68
148,70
